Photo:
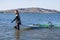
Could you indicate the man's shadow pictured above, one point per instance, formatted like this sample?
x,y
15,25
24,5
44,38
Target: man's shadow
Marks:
x,y
17,34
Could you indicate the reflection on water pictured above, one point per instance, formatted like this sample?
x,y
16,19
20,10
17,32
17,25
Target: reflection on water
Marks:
x,y
17,34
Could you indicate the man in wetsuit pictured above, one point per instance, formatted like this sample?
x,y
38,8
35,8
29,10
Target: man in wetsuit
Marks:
x,y
17,19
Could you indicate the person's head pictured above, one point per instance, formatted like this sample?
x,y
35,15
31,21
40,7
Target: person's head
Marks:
x,y
16,11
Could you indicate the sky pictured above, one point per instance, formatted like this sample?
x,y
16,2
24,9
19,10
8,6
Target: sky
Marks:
x,y
14,4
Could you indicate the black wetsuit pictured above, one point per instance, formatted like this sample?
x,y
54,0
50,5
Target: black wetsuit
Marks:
x,y
18,21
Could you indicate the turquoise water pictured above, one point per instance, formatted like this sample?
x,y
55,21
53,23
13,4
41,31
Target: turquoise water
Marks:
x,y
7,31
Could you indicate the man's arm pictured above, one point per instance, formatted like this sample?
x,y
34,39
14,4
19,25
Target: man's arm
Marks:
x,y
13,20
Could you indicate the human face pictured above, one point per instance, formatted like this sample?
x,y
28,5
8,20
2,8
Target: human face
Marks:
x,y
15,11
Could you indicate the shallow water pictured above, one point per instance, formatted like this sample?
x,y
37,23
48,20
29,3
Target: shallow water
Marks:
x,y
7,31
30,34
40,34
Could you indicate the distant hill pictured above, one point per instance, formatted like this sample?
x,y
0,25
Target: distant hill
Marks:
x,y
30,10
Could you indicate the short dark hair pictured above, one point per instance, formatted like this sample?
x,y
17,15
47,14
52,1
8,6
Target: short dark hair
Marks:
x,y
17,12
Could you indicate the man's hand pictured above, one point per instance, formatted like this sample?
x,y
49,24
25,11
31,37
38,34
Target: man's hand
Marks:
x,y
11,21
